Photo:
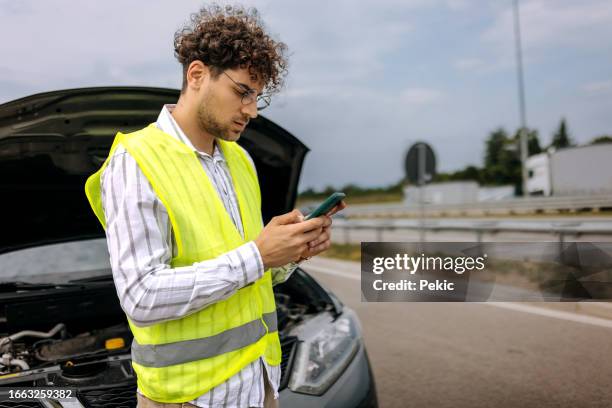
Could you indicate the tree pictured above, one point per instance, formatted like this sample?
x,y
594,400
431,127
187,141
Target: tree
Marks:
x,y
502,160
602,139
308,192
468,173
494,145
397,187
533,141
328,190
561,138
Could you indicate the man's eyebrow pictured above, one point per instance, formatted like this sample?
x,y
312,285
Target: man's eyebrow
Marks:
x,y
248,89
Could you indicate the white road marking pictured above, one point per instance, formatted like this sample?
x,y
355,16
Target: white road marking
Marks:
x,y
555,314
327,271
517,307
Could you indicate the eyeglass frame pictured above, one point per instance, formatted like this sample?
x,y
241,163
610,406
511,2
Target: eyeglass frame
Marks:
x,y
249,94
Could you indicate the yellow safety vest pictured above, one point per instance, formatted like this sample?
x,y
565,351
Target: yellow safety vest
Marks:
x,y
179,360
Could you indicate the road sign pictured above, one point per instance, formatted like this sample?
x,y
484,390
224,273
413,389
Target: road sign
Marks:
x,y
420,164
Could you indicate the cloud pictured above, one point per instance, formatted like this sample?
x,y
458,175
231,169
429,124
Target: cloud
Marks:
x,y
597,88
421,96
551,24
457,4
342,43
464,64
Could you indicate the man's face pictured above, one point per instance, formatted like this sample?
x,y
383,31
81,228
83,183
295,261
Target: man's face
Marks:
x,y
221,112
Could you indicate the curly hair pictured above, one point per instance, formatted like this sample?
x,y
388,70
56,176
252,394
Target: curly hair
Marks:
x,y
231,37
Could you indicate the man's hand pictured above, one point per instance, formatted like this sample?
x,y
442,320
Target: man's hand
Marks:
x,y
339,207
286,237
323,241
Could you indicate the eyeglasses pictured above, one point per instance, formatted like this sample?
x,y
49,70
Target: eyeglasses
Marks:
x,y
249,96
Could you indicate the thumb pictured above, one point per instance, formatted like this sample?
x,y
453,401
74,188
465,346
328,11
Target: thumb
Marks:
x,y
290,217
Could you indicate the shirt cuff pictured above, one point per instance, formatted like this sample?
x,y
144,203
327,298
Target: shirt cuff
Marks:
x,y
250,263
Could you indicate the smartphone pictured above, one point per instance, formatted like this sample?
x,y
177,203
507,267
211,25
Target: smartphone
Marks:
x,y
329,203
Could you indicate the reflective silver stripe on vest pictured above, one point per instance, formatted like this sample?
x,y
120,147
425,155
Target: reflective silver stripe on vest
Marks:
x,y
180,352
271,322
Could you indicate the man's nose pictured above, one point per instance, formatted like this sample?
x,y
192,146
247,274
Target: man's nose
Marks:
x,y
250,109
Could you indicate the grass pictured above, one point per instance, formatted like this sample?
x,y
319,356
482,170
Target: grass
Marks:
x,y
346,252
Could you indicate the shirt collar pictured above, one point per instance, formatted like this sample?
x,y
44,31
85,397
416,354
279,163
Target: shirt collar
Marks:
x,y
167,124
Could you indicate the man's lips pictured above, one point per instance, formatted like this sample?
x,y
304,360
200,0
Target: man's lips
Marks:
x,y
241,124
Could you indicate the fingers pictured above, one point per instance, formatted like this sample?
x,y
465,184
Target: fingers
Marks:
x,y
339,207
303,254
324,236
311,235
310,225
316,250
288,218
323,246
319,244
324,221
316,236
327,221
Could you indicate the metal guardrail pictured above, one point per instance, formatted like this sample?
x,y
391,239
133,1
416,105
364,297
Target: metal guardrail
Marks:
x,y
560,230
529,205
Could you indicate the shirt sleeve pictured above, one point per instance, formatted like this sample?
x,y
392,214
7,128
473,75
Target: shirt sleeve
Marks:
x,y
140,244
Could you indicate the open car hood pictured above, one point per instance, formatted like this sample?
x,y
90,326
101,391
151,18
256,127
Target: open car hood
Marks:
x,y
51,142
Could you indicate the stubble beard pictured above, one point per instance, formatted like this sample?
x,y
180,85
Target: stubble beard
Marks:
x,y
209,122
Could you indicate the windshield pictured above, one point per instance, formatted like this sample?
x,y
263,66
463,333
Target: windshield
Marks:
x,y
56,263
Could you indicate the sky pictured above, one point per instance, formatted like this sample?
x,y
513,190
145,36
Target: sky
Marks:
x,y
366,79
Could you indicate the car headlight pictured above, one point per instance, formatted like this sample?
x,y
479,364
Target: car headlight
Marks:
x,y
321,359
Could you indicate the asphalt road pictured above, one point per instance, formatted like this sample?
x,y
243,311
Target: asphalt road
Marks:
x,y
477,355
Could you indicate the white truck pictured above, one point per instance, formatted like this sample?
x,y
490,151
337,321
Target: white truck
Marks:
x,y
573,171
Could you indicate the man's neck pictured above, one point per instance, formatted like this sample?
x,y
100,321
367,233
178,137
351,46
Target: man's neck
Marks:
x,y
187,121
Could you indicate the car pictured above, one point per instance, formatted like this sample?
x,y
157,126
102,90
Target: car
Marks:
x,y
61,324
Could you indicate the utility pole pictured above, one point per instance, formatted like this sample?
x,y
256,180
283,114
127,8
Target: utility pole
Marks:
x,y
422,181
521,93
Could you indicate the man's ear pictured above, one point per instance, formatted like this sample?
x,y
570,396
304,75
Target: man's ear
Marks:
x,y
197,75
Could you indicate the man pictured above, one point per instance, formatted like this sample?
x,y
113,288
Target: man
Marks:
x,y
181,206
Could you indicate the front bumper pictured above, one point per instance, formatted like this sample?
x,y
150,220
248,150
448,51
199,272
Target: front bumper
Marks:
x,y
354,388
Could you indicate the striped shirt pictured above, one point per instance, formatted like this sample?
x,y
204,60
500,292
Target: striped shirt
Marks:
x,y
141,244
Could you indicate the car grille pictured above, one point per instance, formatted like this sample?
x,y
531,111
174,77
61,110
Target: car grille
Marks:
x,y
16,404
116,397
288,347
